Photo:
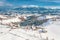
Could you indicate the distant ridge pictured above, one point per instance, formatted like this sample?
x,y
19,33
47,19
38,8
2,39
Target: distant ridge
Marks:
x,y
29,9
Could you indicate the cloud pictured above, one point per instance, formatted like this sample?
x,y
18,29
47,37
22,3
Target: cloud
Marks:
x,y
52,7
9,4
24,6
1,3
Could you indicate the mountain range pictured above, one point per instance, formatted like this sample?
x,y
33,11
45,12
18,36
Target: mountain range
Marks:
x,y
29,10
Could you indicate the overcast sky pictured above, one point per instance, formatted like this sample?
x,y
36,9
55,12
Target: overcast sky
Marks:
x,y
29,2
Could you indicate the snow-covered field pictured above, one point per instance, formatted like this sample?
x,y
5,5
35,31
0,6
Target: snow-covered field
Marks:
x,y
23,34
19,34
54,30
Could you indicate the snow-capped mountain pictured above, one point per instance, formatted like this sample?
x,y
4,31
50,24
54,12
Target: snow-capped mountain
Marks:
x,y
29,9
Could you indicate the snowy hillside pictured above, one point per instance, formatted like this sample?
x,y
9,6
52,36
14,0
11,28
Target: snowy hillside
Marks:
x,y
54,30
24,34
